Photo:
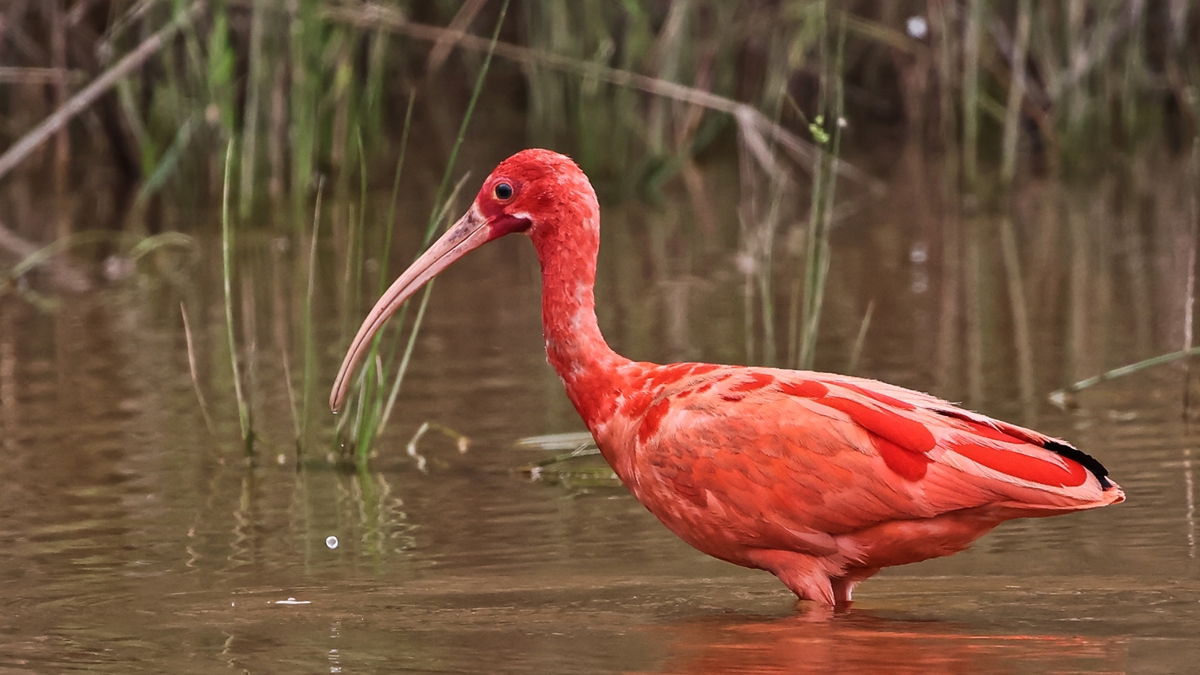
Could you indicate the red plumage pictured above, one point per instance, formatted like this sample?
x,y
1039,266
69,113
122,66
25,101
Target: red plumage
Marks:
x,y
820,479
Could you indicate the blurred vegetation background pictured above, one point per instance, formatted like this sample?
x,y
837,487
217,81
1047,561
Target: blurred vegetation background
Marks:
x,y
636,91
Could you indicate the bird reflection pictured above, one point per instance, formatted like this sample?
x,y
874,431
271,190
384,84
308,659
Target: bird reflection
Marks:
x,y
857,642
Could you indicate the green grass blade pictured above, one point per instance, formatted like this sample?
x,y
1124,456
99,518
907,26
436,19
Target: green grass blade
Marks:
x,y
404,360
385,256
227,275
1059,397
462,129
310,349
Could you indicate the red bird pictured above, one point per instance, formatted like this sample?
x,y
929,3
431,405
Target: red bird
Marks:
x,y
818,479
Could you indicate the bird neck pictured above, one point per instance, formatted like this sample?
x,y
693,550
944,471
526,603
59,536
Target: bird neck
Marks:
x,y
575,347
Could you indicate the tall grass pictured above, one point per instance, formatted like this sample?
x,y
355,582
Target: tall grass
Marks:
x,y
824,184
313,72
308,320
375,392
227,245
378,385
972,49
642,94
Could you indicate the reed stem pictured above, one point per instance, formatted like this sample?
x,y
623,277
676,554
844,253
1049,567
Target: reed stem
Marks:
x,y
18,151
372,411
227,276
191,351
310,348
1016,94
971,57
816,263
1060,397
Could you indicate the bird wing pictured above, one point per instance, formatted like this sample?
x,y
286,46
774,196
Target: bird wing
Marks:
x,y
780,452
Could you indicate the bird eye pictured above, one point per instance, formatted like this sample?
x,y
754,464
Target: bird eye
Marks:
x,y
503,191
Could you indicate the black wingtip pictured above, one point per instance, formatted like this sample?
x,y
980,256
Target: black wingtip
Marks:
x,y
1090,463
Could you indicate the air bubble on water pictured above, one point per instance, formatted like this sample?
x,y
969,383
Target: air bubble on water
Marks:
x,y
331,541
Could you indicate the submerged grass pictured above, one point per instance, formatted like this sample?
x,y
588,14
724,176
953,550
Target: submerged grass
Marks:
x,y
575,463
138,247
461,441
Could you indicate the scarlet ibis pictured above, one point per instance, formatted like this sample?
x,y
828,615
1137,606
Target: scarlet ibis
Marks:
x,y
819,479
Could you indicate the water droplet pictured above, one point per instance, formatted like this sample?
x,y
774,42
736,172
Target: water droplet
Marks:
x,y
917,27
331,541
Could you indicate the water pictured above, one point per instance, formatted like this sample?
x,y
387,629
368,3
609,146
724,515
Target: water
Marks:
x,y
135,541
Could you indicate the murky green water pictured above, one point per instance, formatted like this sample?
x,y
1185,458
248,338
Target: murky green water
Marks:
x,y
135,541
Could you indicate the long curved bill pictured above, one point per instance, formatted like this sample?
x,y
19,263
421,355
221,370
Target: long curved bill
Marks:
x,y
470,232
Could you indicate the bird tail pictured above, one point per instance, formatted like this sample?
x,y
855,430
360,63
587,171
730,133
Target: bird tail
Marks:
x,y
1113,494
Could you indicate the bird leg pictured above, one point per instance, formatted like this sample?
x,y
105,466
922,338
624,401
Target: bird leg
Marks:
x,y
843,586
804,575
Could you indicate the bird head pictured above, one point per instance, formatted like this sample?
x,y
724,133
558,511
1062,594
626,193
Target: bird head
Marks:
x,y
533,192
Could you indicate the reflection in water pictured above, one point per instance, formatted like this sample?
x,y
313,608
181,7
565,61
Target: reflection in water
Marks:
x,y
870,645
1189,496
8,383
335,659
